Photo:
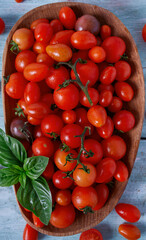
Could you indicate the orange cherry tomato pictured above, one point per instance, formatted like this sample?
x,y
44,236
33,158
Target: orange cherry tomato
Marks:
x,y
36,22
59,52
83,40
39,47
63,197
67,17
129,231
24,38
97,54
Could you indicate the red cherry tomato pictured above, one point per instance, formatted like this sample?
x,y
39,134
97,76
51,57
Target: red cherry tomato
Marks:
x,y
30,233
97,54
121,173
102,87
37,110
83,40
128,212
2,26
97,116
42,146
91,234
115,105
124,120
107,129
129,231
61,181
45,58
124,91
69,116
105,31
31,93
24,38
62,37
67,17
38,21
34,121
144,33
23,59
94,95
52,124
56,25
39,47
21,103
105,98
105,170
63,197
83,54
43,32
49,171
123,70
108,75
36,72
37,132
37,221
103,193
68,134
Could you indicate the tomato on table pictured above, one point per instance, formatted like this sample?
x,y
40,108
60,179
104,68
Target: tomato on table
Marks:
x,y
91,234
60,160
128,212
61,181
103,193
30,233
37,221
36,72
67,17
24,38
105,169
144,32
121,173
2,26
129,231
43,146
63,197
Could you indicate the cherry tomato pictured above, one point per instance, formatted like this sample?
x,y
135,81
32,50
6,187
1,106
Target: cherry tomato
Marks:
x,y
59,52
39,47
129,231
56,25
30,233
107,129
102,87
37,221
66,98
18,1
102,66
84,197
63,197
36,72
108,75
31,93
144,32
34,121
21,103
121,173
2,26
60,160
96,148
38,21
45,58
52,125
105,31
114,147
97,116
114,47
88,23
83,40
115,105
43,32
57,76
42,146
62,37
124,91
82,178
91,234
83,54
94,95
23,59
103,193
67,17
62,216
37,132
61,181
105,98
16,85
23,37
123,70
69,116
84,72
105,170
49,171
97,54
128,212
37,110
124,121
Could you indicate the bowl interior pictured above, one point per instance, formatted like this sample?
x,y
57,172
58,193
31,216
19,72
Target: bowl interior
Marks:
x,y
132,138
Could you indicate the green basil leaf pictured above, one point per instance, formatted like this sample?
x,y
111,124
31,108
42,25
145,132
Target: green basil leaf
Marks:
x,y
12,152
35,166
9,176
22,179
36,197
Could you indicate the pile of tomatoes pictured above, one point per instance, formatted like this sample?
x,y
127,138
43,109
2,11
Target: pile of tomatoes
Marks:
x,y
71,87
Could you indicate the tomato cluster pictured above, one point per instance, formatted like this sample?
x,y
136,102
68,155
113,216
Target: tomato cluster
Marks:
x,y
71,88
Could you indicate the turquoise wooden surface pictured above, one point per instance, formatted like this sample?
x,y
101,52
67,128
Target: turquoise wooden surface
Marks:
x,y
133,15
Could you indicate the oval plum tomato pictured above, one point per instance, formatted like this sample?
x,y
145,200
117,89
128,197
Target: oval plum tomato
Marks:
x,y
124,91
43,32
52,125
31,93
59,52
43,146
16,85
37,132
60,160
114,147
56,25
123,70
36,72
63,197
69,116
105,170
96,148
84,198
114,47
39,47
82,178
45,58
105,98
66,98
2,26
97,116
57,76
108,75
103,193
37,221
102,87
129,231
49,171
62,216
37,110
23,59
69,133
83,54
128,212
97,54
61,181
115,105
94,95
34,121
144,32
30,233
62,37
124,121
107,129
83,40
22,104
67,17
121,173
24,38
91,234
105,31
84,72
38,21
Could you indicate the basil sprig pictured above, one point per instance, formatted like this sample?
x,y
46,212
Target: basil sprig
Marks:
x,y
34,193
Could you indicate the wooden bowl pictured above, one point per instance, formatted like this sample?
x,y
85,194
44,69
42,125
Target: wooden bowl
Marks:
x,y
50,11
